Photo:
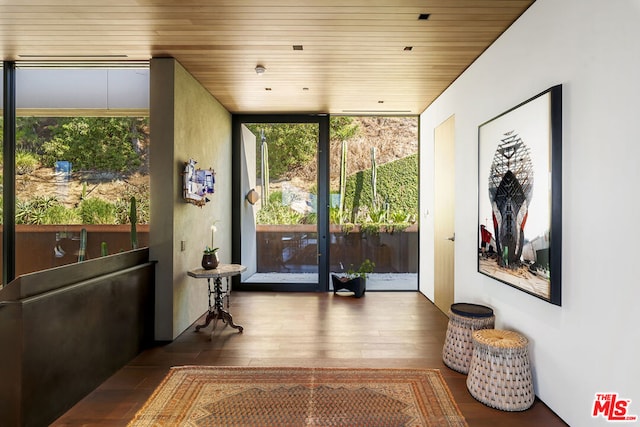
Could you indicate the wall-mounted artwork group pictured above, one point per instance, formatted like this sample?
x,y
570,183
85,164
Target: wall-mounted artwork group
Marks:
x,y
519,196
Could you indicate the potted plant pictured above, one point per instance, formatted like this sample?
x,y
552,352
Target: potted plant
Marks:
x,y
210,258
353,280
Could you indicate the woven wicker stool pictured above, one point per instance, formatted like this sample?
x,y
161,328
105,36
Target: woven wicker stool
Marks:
x,y
463,320
500,374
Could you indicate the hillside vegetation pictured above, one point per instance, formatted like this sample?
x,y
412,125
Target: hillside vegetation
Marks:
x,y
393,137
109,165
395,140
108,160
397,191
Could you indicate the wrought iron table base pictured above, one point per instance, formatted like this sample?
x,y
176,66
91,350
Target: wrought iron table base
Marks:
x,y
217,296
223,315
217,311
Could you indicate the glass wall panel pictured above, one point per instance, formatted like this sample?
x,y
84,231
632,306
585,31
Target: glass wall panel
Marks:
x,y
77,172
374,199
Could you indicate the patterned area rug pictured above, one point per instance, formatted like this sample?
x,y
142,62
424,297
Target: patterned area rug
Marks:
x,y
241,396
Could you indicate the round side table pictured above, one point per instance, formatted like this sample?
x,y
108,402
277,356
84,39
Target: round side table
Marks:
x,y
500,373
464,318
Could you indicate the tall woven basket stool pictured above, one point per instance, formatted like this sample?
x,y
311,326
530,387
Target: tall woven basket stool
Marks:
x,y
464,318
500,373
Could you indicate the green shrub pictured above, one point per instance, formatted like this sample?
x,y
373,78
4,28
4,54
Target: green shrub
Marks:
x,y
59,214
142,201
291,145
26,162
275,212
44,210
334,216
279,214
54,150
95,143
397,186
97,211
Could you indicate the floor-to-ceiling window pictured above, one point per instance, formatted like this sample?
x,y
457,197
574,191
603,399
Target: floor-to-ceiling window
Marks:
x,y
80,160
374,200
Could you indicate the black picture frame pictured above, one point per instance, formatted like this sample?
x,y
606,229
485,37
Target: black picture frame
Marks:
x,y
520,196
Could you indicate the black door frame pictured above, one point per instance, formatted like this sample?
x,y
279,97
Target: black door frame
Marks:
x,y
237,199
9,173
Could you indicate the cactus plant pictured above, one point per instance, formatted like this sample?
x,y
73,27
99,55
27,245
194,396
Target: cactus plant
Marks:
x,y
374,177
83,245
133,219
343,179
265,168
103,249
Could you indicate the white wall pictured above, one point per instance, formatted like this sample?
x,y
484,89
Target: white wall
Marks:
x,y
592,343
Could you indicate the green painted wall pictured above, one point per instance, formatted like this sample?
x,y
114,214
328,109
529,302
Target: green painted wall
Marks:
x,y
186,123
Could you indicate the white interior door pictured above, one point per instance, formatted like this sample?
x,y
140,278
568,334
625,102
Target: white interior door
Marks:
x,y
444,196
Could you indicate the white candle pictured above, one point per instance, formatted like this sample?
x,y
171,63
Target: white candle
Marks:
x,y
213,231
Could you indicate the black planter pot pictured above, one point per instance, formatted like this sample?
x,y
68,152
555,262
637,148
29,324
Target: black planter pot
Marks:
x,y
357,285
210,261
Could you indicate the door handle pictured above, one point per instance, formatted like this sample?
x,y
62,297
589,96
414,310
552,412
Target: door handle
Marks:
x,y
452,238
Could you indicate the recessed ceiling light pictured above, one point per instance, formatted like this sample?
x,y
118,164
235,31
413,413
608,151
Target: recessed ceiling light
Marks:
x,y
298,47
408,48
260,69
424,16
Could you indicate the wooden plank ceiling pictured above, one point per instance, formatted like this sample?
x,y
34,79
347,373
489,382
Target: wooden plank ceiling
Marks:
x,y
356,57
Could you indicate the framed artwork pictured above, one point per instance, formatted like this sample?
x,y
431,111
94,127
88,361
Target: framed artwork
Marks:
x,y
520,196
197,183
